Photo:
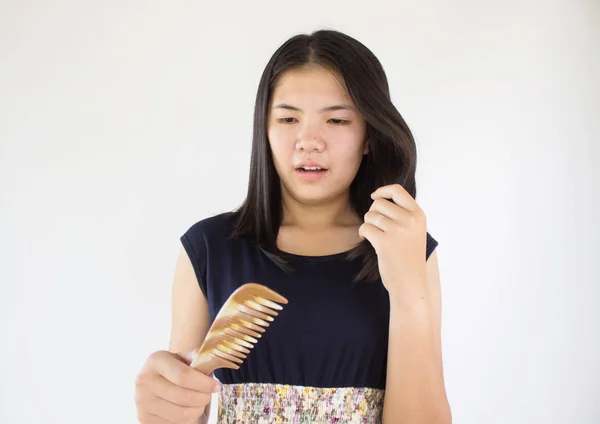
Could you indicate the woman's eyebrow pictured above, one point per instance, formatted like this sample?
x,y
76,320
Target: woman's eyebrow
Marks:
x,y
325,109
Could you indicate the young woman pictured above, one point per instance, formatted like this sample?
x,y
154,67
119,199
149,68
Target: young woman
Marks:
x,y
330,222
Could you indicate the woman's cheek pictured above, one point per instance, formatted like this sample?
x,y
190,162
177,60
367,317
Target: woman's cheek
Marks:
x,y
280,135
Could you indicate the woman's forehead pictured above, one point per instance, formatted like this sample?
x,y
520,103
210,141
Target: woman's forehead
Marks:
x,y
315,85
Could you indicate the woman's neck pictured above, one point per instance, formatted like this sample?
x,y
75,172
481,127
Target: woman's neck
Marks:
x,y
318,229
334,213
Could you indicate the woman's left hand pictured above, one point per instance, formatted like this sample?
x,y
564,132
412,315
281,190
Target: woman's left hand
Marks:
x,y
397,229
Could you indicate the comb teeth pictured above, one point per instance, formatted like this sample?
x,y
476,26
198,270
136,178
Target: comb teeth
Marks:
x,y
223,348
246,327
268,313
268,303
253,312
242,339
226,356
233,343
248,314
237,327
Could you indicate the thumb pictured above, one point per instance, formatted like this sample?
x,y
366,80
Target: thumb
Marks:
x,y
188,357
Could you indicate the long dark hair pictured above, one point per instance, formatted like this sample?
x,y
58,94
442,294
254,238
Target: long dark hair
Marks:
x,y
392,153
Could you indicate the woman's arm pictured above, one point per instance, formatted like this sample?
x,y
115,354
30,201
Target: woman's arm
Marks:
x,y
190,319
415,391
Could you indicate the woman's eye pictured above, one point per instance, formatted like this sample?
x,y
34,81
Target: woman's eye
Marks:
x,y
333,121
339,121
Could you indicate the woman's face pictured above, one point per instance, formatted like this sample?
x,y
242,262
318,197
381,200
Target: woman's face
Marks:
x,y
313,123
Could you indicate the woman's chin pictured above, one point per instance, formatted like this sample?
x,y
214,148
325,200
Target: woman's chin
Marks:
x,y
315,196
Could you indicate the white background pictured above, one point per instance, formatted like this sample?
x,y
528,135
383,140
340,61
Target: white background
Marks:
x,y
122,123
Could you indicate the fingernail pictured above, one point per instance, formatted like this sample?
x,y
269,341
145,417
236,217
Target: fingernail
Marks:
x,y
217,388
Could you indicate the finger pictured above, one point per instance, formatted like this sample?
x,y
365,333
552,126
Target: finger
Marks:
x,y
378,220
189,356
181,374
371,233
390,209
172,413
398,194
181,396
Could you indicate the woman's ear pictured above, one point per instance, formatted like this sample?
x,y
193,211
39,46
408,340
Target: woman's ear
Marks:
x,y
366,148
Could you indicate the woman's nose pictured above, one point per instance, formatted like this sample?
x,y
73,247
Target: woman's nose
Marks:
x,y
310,139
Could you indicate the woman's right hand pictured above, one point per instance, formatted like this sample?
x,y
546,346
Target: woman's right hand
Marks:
x,y
169,391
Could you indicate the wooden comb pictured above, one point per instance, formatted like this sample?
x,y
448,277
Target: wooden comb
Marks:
x,y
237,326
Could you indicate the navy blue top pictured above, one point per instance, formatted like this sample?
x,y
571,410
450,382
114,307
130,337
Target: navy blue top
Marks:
x,y
332,333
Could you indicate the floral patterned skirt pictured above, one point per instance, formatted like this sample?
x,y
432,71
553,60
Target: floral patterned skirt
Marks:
x,y
274,403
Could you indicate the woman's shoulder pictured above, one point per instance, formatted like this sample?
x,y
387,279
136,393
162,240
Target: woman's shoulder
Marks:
x,y
207,237
210,234
217,227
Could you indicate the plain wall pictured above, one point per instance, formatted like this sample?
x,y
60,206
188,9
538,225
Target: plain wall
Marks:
x,y
123,123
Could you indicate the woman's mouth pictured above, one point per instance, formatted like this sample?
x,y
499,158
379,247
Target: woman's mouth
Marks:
x,y
311,169
310,173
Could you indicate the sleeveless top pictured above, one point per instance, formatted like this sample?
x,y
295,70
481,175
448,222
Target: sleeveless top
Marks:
x,y
324,358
